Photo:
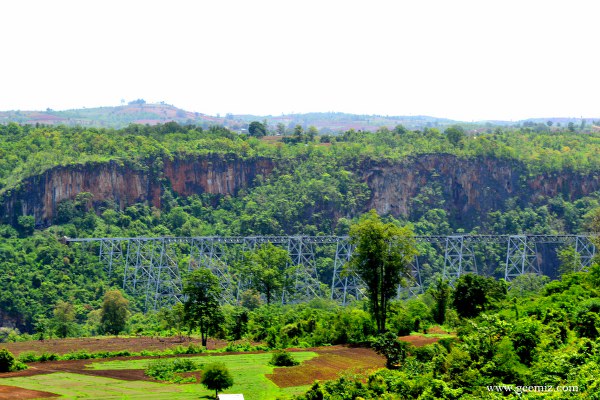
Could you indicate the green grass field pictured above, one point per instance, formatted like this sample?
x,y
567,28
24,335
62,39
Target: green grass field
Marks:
x,y
248,371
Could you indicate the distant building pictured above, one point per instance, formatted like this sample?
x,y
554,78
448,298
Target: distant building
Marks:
x,y
230,397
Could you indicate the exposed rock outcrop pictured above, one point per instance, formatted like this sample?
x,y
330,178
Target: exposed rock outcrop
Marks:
x,y
126,185
470,187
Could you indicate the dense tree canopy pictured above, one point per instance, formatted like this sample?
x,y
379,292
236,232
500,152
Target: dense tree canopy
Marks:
x,y
115,312
474,294
257,129
268,269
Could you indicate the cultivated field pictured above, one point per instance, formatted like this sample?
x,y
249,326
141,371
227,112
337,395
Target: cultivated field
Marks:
x,y
124,377
109,343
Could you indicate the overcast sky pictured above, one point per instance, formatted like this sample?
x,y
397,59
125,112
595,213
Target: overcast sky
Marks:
x,y
467,60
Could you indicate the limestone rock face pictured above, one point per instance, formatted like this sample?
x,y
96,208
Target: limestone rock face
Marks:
x,y
126,185
470,187
467,188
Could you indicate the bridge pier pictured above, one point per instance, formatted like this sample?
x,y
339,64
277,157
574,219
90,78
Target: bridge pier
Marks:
x,y
521,257
459,258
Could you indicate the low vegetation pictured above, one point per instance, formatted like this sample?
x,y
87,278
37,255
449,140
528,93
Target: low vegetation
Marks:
x,y
282,359
169,370
8,363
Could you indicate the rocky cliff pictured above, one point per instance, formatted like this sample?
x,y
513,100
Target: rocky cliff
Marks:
x,y
470,188
125,185
466,188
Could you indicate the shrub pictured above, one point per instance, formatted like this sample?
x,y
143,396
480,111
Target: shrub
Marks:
x,y
45,356
193,349
6,360
283,359
78,355
394,350
165,370
28,356
184,365
242,346
9,363
161,370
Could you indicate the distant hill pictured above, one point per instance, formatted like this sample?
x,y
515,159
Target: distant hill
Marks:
x,y
111,117
337,121
140,112
152,114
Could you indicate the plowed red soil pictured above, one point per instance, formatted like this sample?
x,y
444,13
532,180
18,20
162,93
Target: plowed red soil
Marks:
x,y
134,344
13,392
328,365
418,340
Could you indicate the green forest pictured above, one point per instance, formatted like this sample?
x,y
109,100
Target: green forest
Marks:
x,y
533,331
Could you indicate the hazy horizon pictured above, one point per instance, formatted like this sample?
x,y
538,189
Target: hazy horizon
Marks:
x,y
310,112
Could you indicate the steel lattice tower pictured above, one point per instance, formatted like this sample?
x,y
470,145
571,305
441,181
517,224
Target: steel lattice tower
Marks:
x,y
521,257
459,258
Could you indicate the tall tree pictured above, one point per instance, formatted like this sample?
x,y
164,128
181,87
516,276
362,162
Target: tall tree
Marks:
x,y
382,255
455,134
440,291
201,308
266,268
115,312
64,315
257,129
280,129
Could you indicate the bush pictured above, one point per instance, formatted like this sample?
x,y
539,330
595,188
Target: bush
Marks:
x,y
403,323
78,355
184,365
394,350
165,370
28,356
48,357
9,363
283,359
193,349
161,370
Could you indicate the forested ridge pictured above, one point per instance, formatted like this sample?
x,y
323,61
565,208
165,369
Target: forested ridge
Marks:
x,y
539,332
28,150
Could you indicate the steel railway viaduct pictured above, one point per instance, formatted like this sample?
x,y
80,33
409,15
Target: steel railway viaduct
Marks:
x,y
151,266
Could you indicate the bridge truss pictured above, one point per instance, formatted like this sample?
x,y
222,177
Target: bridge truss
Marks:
x,y
153,267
